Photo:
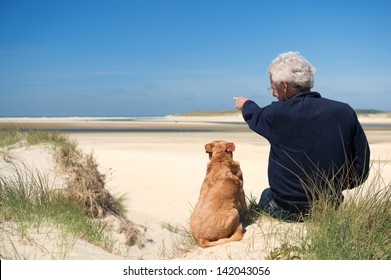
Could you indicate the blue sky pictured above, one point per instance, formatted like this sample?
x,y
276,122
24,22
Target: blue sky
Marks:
x,y
153,58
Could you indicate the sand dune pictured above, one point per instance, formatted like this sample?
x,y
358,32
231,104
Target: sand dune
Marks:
x,y
161,173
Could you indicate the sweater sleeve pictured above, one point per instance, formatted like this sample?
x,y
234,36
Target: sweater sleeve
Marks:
x,y
257,118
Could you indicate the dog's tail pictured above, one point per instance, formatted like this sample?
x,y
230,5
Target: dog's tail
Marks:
x,y
237,236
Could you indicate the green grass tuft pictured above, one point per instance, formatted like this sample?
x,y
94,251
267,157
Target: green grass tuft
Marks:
x,y
28,202
359,229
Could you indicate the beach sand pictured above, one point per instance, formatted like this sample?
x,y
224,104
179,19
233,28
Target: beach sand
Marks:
x,y
159,165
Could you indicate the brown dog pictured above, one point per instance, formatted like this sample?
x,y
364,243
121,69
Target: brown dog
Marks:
x,y
215,219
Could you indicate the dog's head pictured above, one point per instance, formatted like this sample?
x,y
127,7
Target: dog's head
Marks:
x,y
219,146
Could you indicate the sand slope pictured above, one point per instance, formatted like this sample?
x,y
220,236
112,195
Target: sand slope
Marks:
x,y
160,173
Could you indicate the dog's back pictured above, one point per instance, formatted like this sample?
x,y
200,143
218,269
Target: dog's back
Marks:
x,y
215,219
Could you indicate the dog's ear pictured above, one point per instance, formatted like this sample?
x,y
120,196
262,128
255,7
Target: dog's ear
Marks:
x,y
230,147
208,148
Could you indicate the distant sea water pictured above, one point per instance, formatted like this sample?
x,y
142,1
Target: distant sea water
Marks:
x,y
376,125
86,125
108,129
160,130
121,130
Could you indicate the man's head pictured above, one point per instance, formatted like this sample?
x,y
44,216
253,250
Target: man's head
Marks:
x,y
290,73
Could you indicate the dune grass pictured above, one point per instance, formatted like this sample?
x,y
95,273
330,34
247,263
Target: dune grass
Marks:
x,y
10,137
359,229
181,244
28,201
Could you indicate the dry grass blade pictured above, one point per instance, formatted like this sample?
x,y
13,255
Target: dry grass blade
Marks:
x,y
86,185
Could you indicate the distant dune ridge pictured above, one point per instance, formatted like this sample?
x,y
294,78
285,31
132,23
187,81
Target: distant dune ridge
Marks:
x,y
206,113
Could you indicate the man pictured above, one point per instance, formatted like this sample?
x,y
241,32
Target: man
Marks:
x,y
317,145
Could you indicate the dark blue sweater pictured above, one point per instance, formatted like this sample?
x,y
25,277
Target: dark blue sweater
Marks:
x,y
313,140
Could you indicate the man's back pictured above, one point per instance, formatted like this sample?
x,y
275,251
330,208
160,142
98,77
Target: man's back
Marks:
x,y
311,138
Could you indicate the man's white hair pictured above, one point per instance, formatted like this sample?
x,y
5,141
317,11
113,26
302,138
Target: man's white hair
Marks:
x,y
292,68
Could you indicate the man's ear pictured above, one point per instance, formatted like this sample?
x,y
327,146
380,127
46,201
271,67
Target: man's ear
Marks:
x,y
208,148
285,86
230,147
